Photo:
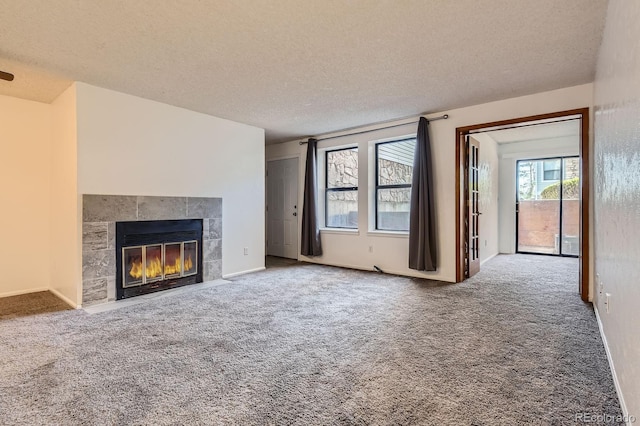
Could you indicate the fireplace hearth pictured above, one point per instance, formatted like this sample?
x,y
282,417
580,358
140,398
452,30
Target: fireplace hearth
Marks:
x,y
157,255
178,257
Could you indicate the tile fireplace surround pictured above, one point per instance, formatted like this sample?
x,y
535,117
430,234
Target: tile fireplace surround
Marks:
x,y
99,216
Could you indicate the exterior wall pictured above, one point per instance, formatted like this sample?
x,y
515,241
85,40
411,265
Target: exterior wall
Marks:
x,y
617,196
538,222
25,127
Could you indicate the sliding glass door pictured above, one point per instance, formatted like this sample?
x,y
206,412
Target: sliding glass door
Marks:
x,y
548,206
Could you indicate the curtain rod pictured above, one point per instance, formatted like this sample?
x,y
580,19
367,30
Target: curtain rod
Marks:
x,y
442,117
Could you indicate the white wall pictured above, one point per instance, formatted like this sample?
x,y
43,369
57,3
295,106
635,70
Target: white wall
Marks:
x,y
25,132
66,234
617,195
133,146
391,252
509,154
488,183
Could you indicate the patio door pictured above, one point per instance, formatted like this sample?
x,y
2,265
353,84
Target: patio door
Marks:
x,y
548,206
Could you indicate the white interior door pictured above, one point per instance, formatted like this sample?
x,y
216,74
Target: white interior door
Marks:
x,y
282,208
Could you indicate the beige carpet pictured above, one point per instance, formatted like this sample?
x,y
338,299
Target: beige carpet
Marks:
x,y
305,344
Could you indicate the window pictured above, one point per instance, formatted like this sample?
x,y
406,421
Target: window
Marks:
x,y
394,173
551,170
341,202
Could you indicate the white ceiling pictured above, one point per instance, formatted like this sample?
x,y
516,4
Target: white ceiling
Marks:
x,y
549,130
302,67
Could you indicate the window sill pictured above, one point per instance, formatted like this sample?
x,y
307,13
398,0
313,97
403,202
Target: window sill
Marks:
x,y
341,231
392,234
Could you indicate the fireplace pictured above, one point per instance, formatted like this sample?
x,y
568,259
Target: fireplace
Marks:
x,y
157,255
101,283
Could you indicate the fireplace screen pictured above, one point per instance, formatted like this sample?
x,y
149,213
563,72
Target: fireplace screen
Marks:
x,y
157,262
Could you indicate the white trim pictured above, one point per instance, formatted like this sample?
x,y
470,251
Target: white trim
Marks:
x,y
489,258
284,157
623,406
393,234
64,298
417,274
19,292
413,135
347,231
248,271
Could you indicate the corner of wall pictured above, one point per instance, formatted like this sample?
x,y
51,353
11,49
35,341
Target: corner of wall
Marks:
x,y
66,232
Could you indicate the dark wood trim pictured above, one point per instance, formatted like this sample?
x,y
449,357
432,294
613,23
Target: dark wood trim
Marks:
x,y
585,184
460,199
584,180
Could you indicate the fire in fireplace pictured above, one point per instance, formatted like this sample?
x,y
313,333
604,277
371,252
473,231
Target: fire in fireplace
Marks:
x,y
156,255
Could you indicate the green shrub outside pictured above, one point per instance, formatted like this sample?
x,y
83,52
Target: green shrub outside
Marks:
x,y
570,187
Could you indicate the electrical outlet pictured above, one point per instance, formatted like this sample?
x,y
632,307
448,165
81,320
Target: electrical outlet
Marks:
x,y
607,301
246,251
370,249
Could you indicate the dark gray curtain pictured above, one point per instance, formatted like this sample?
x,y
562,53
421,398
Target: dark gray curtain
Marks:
x,y
422,229
310,231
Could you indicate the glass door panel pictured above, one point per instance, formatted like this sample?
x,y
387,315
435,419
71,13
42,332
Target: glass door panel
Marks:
x,y
132,266
538,210
173,260
570,244
190,258
548,206
153,264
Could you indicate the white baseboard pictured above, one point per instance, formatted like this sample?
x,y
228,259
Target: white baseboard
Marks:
x,y
489,258
248,271
64,298
623,406
19,292
417,274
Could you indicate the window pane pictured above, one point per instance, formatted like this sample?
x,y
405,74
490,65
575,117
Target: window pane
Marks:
x,y
551,169
393,209
342,209
571,206
395,162
342,168
538,208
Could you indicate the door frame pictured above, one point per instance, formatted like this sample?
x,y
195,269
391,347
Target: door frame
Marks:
x,y
585,184
298,198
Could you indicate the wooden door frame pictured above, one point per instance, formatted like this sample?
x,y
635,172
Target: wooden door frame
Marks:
x,y
585,184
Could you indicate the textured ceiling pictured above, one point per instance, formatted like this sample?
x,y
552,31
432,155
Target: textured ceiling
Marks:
x,y
297,67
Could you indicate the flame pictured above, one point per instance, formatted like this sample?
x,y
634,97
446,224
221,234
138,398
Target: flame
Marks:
x,y
154,267
173,269
135,270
